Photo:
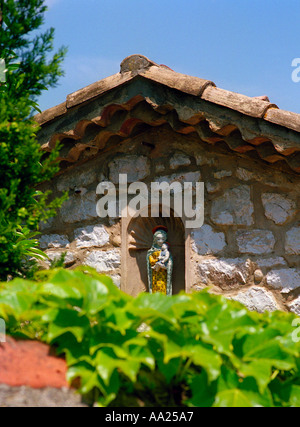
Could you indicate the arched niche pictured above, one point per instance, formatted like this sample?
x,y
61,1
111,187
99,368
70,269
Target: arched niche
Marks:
x,y
137,239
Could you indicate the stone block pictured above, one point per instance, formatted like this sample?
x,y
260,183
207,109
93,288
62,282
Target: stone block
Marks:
x,y
271,262
255,242
117,280
104,261
44,226
135,167
79,208
181,178
74,179
292,243
294,306
46,397
91,236
30,363
179,160
55,256
53,241
234,207
278,208
225,273
286,280
258,276
257,299
222,174
203,160
206,241
212,187
244,174
160,168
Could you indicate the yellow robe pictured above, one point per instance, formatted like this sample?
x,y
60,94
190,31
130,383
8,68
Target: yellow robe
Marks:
x,y
159,277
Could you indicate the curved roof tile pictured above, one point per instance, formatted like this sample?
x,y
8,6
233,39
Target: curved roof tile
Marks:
x,y
244,124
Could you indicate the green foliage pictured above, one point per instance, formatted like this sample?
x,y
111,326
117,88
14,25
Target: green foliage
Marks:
x,y
22,163
187,350
36,71
58,262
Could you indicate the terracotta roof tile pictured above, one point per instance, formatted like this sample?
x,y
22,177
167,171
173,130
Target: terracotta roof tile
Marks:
x,y
250,106
243,123
182,82
51,114
263,98
140,65
97,89
111,124
283,118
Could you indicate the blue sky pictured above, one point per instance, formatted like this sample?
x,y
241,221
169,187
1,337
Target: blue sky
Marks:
x,y
246,46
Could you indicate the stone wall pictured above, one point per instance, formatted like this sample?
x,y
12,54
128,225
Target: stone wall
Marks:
x,y
249,246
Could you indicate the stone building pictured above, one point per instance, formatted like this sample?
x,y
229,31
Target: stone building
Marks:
x,y
156,125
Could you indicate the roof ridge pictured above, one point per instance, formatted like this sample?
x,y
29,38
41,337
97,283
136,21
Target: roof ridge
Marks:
x,y
139,65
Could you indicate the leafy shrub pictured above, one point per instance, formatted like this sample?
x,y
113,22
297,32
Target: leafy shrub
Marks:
x,y
29,70
153,350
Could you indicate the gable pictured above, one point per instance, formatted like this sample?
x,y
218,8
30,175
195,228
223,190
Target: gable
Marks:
x,y
145,95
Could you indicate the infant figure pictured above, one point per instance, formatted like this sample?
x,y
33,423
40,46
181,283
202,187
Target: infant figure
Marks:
x,y
163,258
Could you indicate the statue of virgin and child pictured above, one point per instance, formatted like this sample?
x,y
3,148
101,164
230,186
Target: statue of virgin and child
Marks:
x,y
160,263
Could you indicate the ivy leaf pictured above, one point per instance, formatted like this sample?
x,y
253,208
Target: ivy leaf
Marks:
x,y
107,363
171,369
272,353
234,398
260,370
68,321
62,293
203,392
19,302
88,377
